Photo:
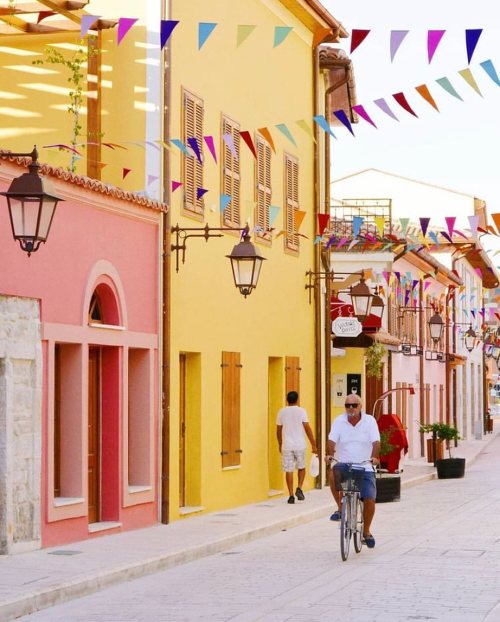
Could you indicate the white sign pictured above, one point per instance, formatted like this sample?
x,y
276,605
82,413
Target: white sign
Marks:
x,y
346,327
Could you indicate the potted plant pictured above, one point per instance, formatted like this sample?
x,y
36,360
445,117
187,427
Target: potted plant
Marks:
x,y
446,467
434,445
388,484
374,359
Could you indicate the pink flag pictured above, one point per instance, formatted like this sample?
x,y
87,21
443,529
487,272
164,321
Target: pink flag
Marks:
x,y
450,223
175,185
358,36
124,25
433,39
209,140
359,109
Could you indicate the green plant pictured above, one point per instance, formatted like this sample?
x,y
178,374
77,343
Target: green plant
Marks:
x,y
386,447
374,359
442,432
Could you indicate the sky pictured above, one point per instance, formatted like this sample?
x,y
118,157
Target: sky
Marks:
x,y
457,147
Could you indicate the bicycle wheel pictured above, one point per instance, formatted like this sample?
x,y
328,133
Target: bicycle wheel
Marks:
x,y
358,526
345,526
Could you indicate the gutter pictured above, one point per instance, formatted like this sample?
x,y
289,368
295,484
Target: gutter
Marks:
x,y
318,8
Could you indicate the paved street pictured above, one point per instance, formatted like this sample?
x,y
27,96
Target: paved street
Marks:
x,y
437,558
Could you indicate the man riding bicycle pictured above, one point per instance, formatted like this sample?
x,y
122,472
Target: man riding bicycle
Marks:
x,y
355,438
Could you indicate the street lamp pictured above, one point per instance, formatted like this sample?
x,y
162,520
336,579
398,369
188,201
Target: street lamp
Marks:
x,y
32,203
362,299
378,305
470,339
436,326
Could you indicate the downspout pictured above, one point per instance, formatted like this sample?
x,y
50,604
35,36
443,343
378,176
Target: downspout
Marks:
x,y
165,320
421,339
447,361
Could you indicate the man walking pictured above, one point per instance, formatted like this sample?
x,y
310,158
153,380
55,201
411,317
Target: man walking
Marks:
x,y
292,427
355,437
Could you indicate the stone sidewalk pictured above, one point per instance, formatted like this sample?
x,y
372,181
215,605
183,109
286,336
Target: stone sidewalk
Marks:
x,y
40,579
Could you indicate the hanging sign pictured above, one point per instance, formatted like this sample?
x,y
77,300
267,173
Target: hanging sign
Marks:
x,y
346,327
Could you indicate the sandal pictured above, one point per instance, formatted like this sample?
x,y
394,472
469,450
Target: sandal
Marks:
x,y
369,541
335,515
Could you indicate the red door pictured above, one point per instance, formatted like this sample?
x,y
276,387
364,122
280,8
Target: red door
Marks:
x,y
94,463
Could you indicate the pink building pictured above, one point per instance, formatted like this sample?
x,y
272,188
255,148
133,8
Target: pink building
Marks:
x,y
79,360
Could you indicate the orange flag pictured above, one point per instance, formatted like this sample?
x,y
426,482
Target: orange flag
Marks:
x,y
426,94
267,135
299,217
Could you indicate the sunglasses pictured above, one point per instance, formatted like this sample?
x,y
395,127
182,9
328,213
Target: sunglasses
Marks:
x,y
351,405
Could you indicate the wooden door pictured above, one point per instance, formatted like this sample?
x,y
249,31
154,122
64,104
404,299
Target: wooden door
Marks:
x,y
292,374
182,430
94,463
374,389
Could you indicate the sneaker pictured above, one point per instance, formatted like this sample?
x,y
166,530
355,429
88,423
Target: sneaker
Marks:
x,y
335,515
291,499
299,494
369,541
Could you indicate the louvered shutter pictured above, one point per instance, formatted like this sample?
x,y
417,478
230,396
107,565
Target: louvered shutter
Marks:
x,y
231,372
291,195
192,168
231,174
292,374
263,168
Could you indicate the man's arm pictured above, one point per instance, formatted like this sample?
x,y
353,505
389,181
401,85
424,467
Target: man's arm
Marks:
x,y
330,450
375,452
279,435
310,436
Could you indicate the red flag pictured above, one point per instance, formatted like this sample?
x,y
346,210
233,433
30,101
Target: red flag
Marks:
x,y
403,102
358,36
323,220
125,172
245,134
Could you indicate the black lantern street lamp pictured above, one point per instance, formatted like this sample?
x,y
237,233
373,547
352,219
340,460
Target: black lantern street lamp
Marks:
x,y
246,264
362,299
436,326
32,203
377,305
470,339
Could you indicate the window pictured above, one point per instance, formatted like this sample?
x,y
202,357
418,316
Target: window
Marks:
x,y
139,417
263,187
192,168
95,313
231,173
291,195
231,371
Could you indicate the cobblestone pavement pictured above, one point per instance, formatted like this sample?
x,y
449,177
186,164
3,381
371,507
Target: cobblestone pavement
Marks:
x,y
437,558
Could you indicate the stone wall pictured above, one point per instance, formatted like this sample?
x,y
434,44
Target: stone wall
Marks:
x,y
20,423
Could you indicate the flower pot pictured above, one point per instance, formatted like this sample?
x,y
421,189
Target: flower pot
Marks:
x,y
450,468
388,488
430,450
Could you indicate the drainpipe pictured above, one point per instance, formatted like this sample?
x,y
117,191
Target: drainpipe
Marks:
x,y
165,320
421,339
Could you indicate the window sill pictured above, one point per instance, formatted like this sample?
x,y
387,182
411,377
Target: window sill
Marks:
x,y
62,501
190,509
232,468
108,326
134,489
105,525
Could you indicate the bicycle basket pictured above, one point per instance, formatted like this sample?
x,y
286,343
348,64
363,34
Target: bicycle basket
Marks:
x,y
348,478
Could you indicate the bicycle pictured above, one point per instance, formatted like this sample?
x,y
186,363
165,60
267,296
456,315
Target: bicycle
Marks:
x,y
348,479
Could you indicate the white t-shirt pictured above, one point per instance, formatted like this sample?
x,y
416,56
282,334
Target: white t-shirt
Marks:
x,y
292,418
354,443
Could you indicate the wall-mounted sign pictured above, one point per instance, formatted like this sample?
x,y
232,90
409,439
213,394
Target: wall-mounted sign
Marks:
x,y
339,389
346,327
354,384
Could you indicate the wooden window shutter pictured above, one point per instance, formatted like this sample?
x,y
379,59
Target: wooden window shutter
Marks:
x,y
292,374
231,377
291,195
192,169
263,186
231,174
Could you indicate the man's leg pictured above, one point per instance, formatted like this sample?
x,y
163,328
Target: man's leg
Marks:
x,y
289,482
368,514
301,476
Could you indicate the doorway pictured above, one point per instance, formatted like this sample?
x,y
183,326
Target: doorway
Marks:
x,y
276,400
190,449
94,424
374,388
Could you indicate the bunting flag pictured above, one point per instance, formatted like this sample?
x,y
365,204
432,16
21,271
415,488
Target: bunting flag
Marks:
x,y
193,143
343,118
178,143
434,238
448,87
323,123
200,192
496,220
357,222
286,132
488,66
384,106
471,39
267,135
174,185
245,134
397,38
320,35
433,40
228,139
152,179
205,29
379,223
357,37
469,78
360,110
299,217
424,223
225,199
304,125
425,93
87,21
124,25
446,236
323,220
242,33
280,34
166,28
125,172
473,222
274,210
450,223
403,102
209,141
43,14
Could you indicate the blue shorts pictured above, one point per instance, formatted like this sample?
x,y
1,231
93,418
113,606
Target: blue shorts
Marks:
x,y
369,486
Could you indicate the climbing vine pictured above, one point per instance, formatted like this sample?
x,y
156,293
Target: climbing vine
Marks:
x,y
374,359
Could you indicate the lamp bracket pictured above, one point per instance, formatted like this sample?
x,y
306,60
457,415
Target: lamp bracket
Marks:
x,y
330,276
11,154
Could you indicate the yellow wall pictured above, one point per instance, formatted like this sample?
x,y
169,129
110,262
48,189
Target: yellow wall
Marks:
x,y
352,363
256,86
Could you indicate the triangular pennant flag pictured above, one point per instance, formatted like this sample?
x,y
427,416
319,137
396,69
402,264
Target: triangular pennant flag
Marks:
x,y
471,39
425,93
286,132
209,141
152,179
397,38
245,134
433,39
323,123
402,101
225,199
205,29
274,210
175,184
384,106
341,243
379,223
304,125
496,220
317,239
434,238
243,32
343,118
404,225
124,25
299,217
479,272
166,28
469,78
43,14
87,21
352,244
357,37
424,223
320,35
446,236
359,109
200,192
125,172
448,87
357,222
267,135
193,143
473,223
280,34
178,143
488,66
323,220
228,139
450,223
